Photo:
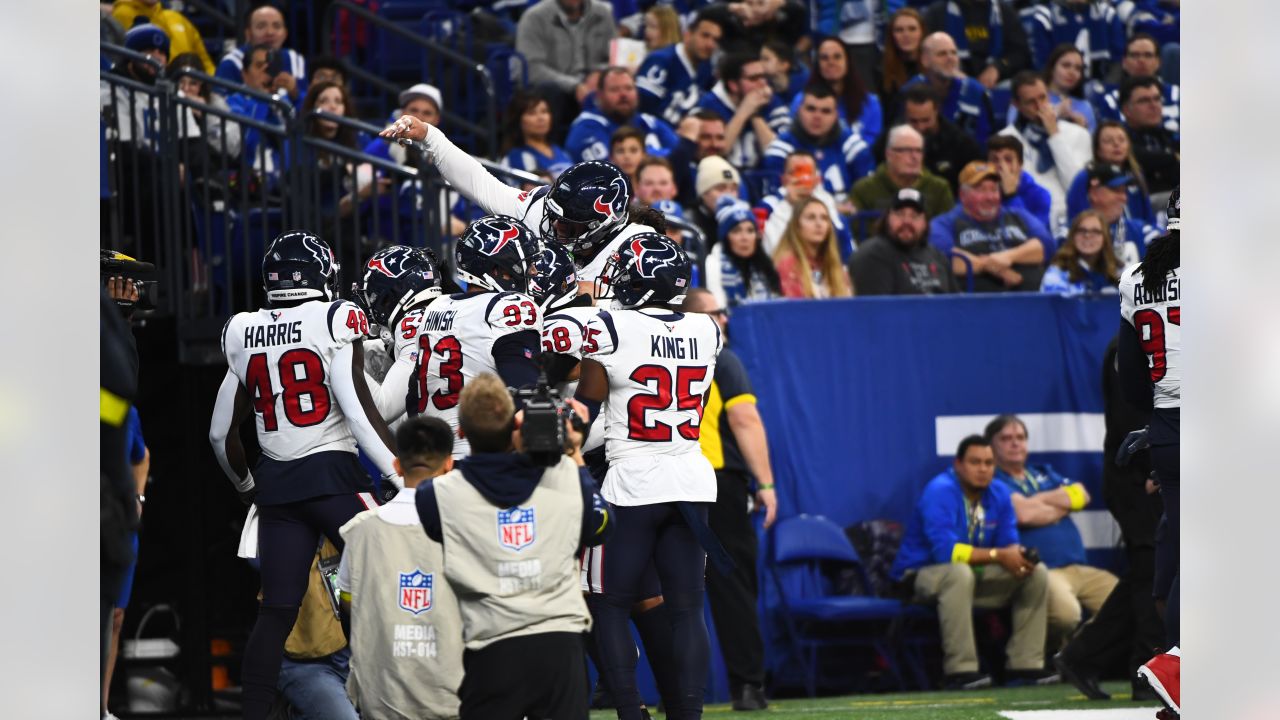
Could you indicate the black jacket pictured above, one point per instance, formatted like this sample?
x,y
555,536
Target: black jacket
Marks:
x,y
884,267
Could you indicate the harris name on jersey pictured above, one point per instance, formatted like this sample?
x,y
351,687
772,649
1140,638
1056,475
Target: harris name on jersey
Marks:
x,y
260,336
1168,292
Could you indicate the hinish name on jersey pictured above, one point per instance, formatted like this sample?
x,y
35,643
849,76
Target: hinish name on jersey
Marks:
x,y
438,320
256,336
675,348
1165,293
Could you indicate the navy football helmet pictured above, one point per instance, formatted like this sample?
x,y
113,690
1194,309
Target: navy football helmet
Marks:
x,y
647,269
299,266
584,203
554,281
496,252
1174,212
394,279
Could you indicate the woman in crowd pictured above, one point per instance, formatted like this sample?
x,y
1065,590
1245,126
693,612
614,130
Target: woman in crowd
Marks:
x,y
786,76
738,269
807,259
526,135
661,27
901,59
859,109
1064,78
222,136
337,188
1086,262
626,150
1111,145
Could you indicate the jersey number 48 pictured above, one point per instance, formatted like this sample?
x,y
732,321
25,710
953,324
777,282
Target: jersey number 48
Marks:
x,y
305,394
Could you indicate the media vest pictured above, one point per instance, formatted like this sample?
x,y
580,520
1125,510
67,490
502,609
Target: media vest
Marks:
x,y
515,570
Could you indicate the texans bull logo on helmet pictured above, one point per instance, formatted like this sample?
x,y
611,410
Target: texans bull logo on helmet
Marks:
x,y
651,254
501,233
548,265
322,252
606,203
394,262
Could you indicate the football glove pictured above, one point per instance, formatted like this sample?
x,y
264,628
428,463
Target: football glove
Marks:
x,y
1132,443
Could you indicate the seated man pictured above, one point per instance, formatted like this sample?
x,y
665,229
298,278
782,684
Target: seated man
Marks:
x,y
903,167
965,101
1055,152
264,25
1156,148
991,42
672,78
947,148
1006,247
843,157
1108,194
1043,500
899,260
616,105
1141,59
799,182
961,551
566,43
752,115
1017,187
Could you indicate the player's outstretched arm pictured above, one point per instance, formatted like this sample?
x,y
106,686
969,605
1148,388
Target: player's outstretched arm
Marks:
x,y
458,168
361,411
229,411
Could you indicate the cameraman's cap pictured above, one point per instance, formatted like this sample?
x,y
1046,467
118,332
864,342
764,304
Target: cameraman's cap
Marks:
x,y
422,90
908,197
144,36
1109,175
977,171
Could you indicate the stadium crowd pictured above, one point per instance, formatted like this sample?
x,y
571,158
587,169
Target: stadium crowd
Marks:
x,y
803,149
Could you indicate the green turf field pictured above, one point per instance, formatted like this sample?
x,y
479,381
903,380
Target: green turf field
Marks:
x,y
968,705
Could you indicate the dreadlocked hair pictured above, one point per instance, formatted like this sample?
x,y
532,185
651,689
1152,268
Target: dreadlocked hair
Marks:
x,y
1162,258
641,214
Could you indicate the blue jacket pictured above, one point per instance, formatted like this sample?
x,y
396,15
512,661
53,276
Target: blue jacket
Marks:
x,y
1139,207
841,163
1161,20
231,69
669,85
967,104
1059,544
1097,27
942,529
1058,281
1031,197
590,132
746,152
1106,103
869,125
1011,228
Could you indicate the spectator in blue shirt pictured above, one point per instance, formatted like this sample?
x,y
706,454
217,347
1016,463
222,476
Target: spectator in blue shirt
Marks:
x,y
526,135
672,78
616,105
1017,187
858,107
843,156
1141,59
961,550
1043,501
753,116
264,25
965,101
991,42
257,76
1086,263
1006,247
786,76
1111,145
1088,24
1107,195
1064,79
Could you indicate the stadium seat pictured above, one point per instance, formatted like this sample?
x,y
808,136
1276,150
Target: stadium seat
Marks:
x,y
803,553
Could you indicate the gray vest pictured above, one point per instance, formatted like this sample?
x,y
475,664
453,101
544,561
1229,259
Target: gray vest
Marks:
x,y
515,570
406,644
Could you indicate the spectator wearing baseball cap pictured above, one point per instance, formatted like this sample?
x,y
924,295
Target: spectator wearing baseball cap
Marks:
x,y
1006,247
738,268
1108,187
903,167
899,260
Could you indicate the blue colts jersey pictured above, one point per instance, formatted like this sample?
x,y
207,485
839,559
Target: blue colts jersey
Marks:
x,y
841,163
669,85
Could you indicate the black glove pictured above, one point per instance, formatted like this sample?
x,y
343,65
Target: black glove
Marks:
x,y
1132,443
247,496
387,489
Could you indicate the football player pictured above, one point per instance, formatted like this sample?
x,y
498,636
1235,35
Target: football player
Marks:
x,y
653,364
494,327
398,284
1150,364
298,366
587,208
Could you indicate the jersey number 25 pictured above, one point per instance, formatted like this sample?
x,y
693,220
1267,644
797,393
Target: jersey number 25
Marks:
x,y
658,379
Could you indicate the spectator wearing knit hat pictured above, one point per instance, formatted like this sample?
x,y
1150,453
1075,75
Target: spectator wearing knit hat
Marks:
x,y
738,268
899,260
715,178
183,36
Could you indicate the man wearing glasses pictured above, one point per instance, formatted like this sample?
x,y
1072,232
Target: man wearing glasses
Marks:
x,y
903,167
1141,59
753,116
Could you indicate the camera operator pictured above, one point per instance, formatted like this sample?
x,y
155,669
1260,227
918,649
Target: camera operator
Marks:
x,y
511,536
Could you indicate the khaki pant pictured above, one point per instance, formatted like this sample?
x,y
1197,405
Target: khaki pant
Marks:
x,y
957,589
1072,589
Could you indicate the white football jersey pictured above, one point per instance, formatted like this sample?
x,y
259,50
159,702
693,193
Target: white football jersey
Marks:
x,y
1158,320
282,356
660,365
455,339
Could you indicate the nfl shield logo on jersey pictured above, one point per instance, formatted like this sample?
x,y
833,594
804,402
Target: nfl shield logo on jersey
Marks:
x,y
415,591
516,528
